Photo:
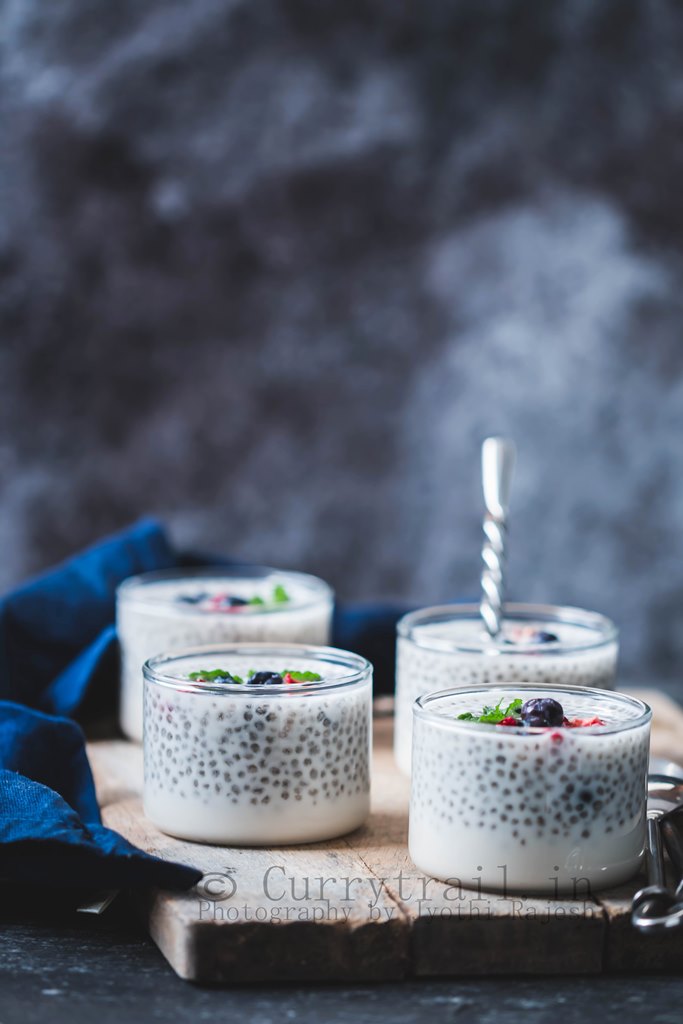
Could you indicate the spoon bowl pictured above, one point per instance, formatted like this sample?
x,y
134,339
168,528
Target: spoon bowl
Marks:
x,y
664,793
655,907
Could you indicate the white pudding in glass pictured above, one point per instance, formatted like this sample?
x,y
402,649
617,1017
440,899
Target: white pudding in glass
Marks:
x,y
539,810
446,646
247,760
168,611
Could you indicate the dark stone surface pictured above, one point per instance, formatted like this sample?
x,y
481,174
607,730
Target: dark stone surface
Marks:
x,y
56,967
273,270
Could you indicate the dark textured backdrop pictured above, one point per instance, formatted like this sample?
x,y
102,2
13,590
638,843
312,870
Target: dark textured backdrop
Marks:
x,y
271,270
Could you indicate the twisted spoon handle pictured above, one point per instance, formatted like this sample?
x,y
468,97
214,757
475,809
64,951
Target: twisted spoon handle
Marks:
x,y
497,466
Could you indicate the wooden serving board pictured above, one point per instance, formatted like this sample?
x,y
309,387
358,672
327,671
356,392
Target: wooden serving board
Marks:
x,y
357,908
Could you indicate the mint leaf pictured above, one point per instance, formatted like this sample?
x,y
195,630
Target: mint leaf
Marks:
x,y
302,677
211,675
279,596
492,714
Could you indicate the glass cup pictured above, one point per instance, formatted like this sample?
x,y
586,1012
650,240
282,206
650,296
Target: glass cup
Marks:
x,y
448,646
257,765
175,609
533,810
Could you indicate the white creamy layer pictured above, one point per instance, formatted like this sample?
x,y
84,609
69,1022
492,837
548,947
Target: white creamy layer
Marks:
x,y
255,769
159,623
560,810
420,670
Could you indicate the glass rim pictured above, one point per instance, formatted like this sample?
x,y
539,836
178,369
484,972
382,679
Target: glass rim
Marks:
x,y
604,629
615,696
360,669
131,590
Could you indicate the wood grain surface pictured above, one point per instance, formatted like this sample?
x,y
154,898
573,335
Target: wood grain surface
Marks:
x,y
357,908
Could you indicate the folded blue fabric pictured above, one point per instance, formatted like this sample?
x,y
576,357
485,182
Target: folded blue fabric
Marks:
x,y
57,638
58,654
50,825
59,661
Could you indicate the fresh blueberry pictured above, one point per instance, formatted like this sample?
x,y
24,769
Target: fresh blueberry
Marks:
x,y
535,722
529,635
265,679
542,711
227,601
543,637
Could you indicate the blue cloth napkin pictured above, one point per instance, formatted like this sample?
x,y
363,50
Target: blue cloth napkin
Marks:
x,y
58,662
57,636
50,826
58,655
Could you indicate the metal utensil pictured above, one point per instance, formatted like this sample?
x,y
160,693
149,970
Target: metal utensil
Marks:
x,y
671,827
98,902
497,467
655,907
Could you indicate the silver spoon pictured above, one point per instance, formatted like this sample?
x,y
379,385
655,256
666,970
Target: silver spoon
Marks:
x,y
655,907
497,467
671,827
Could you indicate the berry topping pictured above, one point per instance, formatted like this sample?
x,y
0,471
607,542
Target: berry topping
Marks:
x,y
531,635
265,679
542,636
225,602
537,713
254,678
300,677
582,723
215,675
542,711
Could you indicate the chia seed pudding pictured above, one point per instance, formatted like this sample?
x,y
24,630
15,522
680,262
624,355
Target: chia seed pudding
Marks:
x,y
173,610
276,756
448,646
523,808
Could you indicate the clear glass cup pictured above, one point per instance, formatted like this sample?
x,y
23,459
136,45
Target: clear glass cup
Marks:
x,y
448,646
160,611
240,764
533,810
